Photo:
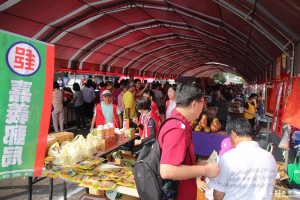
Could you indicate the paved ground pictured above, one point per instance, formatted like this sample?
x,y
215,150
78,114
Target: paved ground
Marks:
x,y
16,189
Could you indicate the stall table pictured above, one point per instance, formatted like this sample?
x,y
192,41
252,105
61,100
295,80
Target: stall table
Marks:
x,y
119,188
205,144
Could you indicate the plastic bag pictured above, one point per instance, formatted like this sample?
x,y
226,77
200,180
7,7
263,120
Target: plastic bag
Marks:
x,y
54,152
75,153
285,140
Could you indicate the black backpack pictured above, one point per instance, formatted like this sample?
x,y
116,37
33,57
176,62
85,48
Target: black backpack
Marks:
x,y
150,185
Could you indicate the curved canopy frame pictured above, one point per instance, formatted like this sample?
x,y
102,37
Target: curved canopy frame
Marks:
x,y
167,38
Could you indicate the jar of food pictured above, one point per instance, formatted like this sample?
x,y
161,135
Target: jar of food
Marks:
x,y
100,132
48,163
112,129
106,131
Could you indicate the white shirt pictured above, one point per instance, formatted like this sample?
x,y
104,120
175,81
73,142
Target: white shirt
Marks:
x,y
246,172
172,105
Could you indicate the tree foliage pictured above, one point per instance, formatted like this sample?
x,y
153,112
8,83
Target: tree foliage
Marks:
x,y
220,77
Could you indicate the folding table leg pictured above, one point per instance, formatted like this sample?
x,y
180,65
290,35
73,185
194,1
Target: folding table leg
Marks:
x,y
65,190
29,187
51,189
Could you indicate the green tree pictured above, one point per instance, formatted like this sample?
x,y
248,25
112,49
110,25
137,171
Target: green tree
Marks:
x,y
220,77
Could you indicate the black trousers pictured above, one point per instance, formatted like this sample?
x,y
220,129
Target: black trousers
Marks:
x,y
88,109
79,111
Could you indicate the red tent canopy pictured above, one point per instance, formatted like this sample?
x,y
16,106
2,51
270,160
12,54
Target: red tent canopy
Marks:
x,y
167,38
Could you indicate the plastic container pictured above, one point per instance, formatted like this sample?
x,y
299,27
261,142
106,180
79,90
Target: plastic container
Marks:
x,y
106,131
125,123
111,129
48,163
119,136
100,131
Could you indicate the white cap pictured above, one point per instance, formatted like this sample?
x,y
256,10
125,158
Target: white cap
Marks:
x,y
106,92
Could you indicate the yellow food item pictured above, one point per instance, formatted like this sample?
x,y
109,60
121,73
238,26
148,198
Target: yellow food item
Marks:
x,y
206,129
197,128
215,125
203,120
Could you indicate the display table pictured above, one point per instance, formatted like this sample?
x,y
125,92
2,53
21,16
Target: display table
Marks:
x,y
121,189
116,145
205,144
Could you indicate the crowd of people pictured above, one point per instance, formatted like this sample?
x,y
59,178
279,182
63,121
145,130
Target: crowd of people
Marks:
x,y
244,172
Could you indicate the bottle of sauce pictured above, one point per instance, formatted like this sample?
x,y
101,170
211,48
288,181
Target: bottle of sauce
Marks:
x,y
106,131
112,129
100,131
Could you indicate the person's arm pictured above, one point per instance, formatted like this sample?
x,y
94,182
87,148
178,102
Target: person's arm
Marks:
x,y
141,92
120,120
93,123
218,195
127,112
216,112
183,172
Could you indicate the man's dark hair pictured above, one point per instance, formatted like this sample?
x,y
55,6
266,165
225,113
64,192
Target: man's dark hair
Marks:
x,y
130,85
55,85
154,86
240,125
136,80
109,83
174,87
102,84
116,85
76,87
253,95
186,93
89,83
150,93
123,85
143,103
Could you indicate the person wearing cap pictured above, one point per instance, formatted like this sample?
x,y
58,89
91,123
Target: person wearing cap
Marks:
x,y
106,112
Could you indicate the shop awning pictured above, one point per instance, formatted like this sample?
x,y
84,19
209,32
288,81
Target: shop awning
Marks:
x,y
166,38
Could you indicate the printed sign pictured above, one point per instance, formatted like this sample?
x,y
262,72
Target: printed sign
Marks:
x,y
26,73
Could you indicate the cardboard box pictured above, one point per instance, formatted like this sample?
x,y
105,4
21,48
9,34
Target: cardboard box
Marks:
x,y
50,142
281,171
86,196
129,133
62,136
104,144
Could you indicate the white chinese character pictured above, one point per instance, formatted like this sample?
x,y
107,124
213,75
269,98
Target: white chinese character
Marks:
x,y
17,113
5,176
20,91
12,156
14,135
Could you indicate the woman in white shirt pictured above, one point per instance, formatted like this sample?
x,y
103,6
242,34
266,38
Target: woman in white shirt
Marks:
x,y
171,103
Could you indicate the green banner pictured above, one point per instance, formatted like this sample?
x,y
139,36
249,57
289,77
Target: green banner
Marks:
x,y
22,75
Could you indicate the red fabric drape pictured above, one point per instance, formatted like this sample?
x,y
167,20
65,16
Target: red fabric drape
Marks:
x,y
292,112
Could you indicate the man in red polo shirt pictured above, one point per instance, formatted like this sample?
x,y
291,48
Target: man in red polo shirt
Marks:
x,y
175,137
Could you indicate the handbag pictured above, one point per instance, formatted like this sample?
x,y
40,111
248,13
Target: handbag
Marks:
x,y
294,172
